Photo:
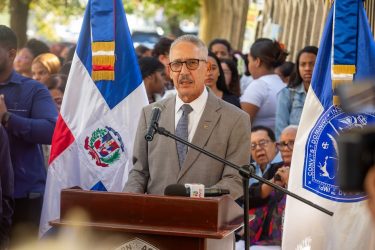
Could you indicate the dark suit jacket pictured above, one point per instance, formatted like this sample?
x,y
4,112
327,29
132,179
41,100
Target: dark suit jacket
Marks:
x,y
6,189
255,199
222,130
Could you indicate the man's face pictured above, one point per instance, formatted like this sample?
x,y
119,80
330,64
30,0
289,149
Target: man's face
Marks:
x,y
6,58
263,149
220,50
286,145
189,83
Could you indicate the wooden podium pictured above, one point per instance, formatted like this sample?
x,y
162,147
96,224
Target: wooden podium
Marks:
x,y
154,222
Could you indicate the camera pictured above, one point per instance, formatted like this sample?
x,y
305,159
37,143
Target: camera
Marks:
x,y
356,157
356,147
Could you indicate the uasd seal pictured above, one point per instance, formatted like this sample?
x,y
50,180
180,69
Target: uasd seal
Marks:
x,y
105,146
136,244
321,157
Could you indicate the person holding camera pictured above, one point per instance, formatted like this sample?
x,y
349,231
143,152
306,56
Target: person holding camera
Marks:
x,y
268,204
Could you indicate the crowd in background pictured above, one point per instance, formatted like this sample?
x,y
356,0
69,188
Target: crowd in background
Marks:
x,y
262,83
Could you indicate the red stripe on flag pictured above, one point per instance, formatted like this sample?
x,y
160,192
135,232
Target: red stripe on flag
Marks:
x,y
96,67
62,138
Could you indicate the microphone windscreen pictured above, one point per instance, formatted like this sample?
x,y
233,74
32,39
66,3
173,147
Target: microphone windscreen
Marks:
x,y
176,190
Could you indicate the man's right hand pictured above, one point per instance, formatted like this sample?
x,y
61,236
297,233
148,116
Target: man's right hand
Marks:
x,y
283,176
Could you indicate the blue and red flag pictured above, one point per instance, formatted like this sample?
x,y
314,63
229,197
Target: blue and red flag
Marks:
x,y
93,140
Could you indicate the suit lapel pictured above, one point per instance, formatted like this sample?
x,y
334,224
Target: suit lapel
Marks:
x,y
206,124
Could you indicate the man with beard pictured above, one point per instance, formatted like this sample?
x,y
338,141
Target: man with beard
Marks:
x,y
198,116
29,115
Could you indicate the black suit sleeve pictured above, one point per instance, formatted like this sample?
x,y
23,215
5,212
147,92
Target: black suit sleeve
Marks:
x,y
6,189
255,189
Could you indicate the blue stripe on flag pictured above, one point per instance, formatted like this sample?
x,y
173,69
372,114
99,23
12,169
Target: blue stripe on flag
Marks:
x,y
321,81
99,186
127,74
345,36
102,25
366,48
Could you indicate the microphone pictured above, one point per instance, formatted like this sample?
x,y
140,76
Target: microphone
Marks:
x,y
155,115
181,190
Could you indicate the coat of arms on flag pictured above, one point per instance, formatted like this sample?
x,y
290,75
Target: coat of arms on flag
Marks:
x,y
105,146
94,135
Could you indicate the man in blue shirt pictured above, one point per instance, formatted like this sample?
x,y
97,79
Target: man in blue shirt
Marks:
x,y
267,161
29,116
6,189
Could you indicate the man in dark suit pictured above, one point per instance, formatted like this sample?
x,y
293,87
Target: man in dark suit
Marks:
x,y
211,123
28,114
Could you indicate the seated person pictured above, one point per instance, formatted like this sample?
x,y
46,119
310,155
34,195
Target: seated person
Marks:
x,y
266,203
267,161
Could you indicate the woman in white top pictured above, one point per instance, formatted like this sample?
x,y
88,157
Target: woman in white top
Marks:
x,y
259,99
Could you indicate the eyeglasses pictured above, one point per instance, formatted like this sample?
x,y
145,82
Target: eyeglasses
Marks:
x,y
280,145
191,64
262,144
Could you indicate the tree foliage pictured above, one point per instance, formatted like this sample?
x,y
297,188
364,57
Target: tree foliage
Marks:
x,y
174,11
46,13
182,8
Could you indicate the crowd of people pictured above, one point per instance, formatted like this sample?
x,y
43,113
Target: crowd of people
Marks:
x,y
210,94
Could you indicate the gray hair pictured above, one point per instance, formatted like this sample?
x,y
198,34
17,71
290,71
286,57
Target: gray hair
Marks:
x,y
191,39
295,127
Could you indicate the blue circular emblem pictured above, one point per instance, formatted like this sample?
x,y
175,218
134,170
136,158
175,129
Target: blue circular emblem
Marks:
x,y
321,156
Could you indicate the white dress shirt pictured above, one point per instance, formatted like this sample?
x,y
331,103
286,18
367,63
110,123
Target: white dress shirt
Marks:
x,y
198,106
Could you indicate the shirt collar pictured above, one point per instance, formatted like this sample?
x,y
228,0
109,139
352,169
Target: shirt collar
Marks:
x,y
197,104
13,78
276,159
300,88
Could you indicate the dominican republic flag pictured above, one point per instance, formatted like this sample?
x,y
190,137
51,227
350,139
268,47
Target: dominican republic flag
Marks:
x,y
93,140
346,51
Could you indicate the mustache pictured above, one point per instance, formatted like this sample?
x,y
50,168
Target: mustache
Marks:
x,y
185,78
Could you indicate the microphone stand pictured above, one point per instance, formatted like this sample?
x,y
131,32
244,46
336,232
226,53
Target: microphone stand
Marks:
x,y
247,172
